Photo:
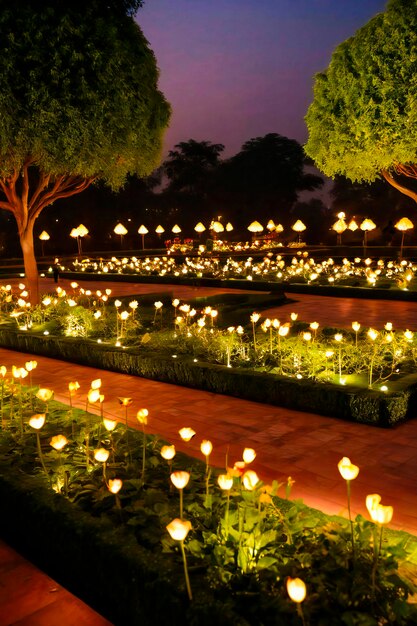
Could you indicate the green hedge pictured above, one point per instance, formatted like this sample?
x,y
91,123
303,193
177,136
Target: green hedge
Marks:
x,y
345,402
103,565
338,291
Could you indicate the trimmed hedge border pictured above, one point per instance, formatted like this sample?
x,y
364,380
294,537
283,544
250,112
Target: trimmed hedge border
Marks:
x,y
345,402
104,566
374,293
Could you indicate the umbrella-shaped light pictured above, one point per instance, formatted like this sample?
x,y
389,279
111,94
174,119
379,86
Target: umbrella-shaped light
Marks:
x,y
229,227
142,230
82,230
159,230
353,225
199,228
218,227
271,225
176,229
255,227
367,225
298,226
121,230
44,236
403,225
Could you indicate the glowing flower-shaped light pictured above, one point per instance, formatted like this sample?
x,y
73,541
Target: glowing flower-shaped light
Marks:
x,y
96,384
347,470
180,479
249,455
58,442
179,529
101,455
109,424
296,589
142,416
250,479
225,481
37,421
186,433
206,447
168,452
73,387
93,396
125,401
44,394
115,485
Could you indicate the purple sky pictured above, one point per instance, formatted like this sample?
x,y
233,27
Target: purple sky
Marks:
x,y
237,69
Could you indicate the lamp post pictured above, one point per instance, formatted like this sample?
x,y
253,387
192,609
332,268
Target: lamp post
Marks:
x,y
199,228
255,227
142,230
82,232
353,225
366,226
44,237
217,228
159,230
403,225
339,227
299,227
121,230
74,234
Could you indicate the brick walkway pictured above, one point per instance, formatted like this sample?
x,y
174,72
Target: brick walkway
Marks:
x,y
305,446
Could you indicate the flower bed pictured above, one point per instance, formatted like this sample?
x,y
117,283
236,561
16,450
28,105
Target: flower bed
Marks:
x,y
245,544
343,401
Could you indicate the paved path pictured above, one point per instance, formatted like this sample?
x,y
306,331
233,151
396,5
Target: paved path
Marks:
x,y
303,445
30,598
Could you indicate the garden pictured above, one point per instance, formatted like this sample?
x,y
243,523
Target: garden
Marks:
x,y
361,271
164,537
224,343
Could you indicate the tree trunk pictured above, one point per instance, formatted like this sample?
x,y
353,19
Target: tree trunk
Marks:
x,y
405,190
31,268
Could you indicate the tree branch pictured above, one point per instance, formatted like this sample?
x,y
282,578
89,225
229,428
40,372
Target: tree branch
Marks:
x,y
408,169
391,180
63,188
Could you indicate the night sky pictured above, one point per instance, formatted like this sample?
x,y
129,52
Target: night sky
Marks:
x,y
237,69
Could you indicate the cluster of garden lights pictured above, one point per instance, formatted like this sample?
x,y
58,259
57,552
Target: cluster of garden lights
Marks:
x,y
273,267
300,349
237,478
216,228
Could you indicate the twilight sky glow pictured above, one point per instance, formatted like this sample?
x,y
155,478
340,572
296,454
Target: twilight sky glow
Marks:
x,y
237,69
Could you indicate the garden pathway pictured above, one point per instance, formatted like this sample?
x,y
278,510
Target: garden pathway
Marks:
x,y
305,446
29,597
326,310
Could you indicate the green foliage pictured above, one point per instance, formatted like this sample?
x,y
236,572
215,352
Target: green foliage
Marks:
x,y
78,91
242,546
363,118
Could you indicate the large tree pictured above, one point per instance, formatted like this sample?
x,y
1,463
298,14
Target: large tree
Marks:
x,y
363,120
266,175
78,102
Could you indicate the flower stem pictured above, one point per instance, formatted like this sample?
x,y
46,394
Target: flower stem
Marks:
x,y
350,520
187,580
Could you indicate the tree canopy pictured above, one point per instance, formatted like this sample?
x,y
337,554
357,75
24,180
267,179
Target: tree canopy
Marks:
x,y
363,119
78,102
189,167
266,175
